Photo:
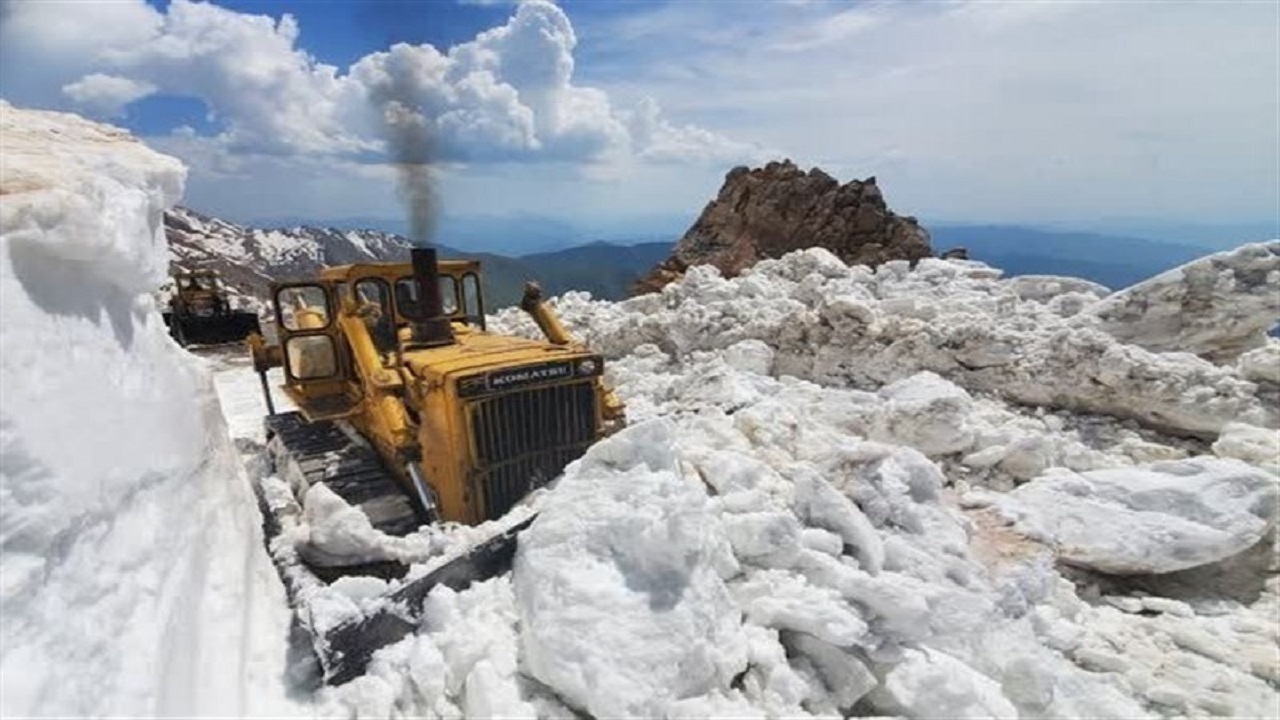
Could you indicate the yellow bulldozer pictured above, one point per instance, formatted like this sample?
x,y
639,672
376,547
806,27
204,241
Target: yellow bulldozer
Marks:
x,y
200,312
409,409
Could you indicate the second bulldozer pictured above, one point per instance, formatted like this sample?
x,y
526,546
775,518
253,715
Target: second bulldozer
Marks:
x,y
200,312
409,409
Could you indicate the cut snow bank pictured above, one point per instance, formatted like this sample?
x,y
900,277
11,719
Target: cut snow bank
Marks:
x,y
129,560
1218,306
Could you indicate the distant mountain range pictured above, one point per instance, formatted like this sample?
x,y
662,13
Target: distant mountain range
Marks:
x,y
1212,236
250,258
512,235
1111,260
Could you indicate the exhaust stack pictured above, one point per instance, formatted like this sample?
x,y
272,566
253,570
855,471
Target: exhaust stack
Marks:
x,y
431,328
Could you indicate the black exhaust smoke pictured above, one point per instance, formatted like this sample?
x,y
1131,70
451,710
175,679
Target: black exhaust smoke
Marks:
x,y
409,143
408,134
430,326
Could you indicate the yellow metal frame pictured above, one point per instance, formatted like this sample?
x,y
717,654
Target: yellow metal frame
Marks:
x,y
411,410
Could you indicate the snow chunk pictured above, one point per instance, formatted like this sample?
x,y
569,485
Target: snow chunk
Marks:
x,y
784,601
750,356
846,678
928,413
850,327
86,195
1218,306
1255,445
1262,364
335,533
930,683
1045,288
622,611
824,507
1157,519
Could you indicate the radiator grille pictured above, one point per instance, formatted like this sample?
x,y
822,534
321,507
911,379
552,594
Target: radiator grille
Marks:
x,y
524,439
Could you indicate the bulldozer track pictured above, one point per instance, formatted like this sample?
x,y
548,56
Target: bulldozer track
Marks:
x,y
323,453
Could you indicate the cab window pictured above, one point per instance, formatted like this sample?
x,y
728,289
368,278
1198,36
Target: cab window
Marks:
x,y
409,300
373,305
448,294
303,307
311,357
472,304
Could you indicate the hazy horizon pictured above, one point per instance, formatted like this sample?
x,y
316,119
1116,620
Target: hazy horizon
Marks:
x,y
633,230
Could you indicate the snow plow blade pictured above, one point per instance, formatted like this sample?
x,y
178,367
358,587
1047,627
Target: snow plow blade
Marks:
x,y
232,327
348,648
321,453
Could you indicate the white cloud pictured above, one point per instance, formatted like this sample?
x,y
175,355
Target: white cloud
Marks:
x,y
830,30
273,97
963,110
990,111
48,44
507,95
510,95
661,141
106,94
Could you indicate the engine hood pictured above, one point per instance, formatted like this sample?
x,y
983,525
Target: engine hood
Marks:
x,y
481,353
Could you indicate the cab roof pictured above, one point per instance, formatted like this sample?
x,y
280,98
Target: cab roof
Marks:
x,y
446,267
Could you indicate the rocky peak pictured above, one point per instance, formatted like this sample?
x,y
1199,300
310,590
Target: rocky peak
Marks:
x,y
767,212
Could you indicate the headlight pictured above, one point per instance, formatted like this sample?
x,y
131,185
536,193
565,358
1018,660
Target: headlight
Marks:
x,y
469,386
588,367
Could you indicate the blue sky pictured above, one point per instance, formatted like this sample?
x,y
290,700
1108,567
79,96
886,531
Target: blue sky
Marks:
x,y
612,114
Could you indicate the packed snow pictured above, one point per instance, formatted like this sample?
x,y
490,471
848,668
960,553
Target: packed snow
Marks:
x,y
133,577
909,492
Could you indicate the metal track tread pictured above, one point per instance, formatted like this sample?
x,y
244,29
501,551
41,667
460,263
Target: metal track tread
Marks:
x,y
325,454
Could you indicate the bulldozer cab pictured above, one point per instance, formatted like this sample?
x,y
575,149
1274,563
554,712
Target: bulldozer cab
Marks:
x,y
319,368
198,282
393,290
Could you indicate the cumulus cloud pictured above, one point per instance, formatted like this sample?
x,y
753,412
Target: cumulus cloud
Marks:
x,y
1021,112
106,94
508,95
49,44
659,140
272,96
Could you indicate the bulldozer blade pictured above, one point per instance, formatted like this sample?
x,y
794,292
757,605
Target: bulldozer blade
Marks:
x,y
214,330
346,650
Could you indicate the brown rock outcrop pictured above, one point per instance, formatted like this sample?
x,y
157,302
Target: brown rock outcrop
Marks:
x,y
770,211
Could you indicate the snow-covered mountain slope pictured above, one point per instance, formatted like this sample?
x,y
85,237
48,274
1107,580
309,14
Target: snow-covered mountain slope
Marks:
x,y
250,258
297,251
133,582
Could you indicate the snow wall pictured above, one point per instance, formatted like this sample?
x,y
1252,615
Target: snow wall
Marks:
x,y
125,551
